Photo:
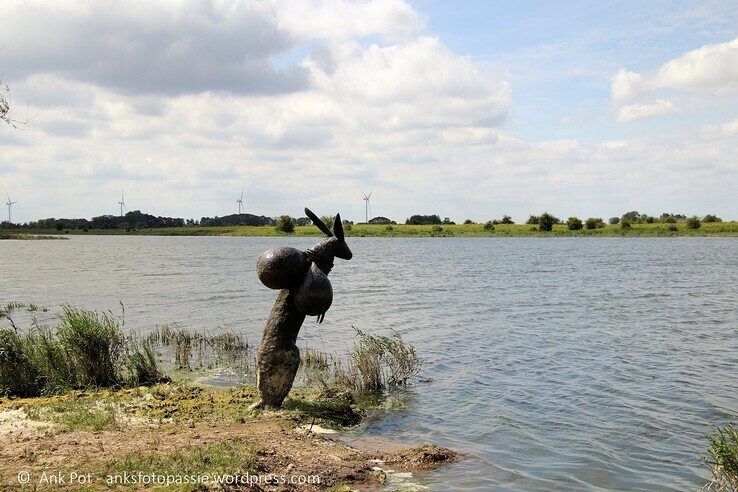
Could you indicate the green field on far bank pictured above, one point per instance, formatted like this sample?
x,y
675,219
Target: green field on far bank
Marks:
x,y
455,230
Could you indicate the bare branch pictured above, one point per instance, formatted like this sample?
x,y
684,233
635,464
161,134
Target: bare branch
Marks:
x,y
6,108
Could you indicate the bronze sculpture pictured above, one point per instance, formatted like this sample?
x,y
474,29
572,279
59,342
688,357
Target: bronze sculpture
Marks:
x,y
302,277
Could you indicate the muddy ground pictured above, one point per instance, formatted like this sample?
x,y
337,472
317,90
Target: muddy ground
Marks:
x,y
171,436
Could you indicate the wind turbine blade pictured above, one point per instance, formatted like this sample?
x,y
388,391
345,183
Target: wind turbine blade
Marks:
x,y
370,194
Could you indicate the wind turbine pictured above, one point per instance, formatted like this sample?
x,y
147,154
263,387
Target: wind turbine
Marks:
x,y
10,204
122,202
366,204
240,202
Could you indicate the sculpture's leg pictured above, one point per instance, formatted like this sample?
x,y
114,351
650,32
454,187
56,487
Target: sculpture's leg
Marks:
x,y
279,356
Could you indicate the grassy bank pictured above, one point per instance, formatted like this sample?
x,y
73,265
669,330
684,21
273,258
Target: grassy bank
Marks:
x,y
456,230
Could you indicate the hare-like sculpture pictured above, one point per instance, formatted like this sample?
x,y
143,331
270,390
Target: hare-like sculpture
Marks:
x,y
302,277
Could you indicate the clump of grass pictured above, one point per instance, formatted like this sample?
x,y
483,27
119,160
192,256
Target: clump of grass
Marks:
x,y
93,342
142,364
18,374
86,350
722,457
377,363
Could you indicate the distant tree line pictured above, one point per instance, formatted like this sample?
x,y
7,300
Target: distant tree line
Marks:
x,y
427,220
546,221
132,220
285,223
237,219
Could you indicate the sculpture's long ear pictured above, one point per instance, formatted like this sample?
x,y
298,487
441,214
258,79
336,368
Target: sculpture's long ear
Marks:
x,y
318,223
338,227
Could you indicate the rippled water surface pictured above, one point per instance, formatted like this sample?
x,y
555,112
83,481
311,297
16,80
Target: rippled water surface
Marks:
x,y
556,363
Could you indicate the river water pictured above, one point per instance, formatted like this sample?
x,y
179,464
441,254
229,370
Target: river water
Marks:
x,y
556,363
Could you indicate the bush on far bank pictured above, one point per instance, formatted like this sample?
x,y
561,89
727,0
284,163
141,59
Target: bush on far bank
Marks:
x,y
285,224
573,223
594,223
546,221
693,222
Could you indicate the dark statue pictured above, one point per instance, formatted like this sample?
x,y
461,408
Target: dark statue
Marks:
x,y
302,277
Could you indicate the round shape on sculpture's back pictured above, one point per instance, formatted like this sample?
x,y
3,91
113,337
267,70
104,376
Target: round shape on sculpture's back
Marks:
x,y
282,268
315,294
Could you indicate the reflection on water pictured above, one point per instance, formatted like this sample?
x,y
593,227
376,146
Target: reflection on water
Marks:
x,y
556,363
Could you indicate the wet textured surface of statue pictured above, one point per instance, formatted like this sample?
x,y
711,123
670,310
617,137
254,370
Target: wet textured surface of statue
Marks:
x,y
302,277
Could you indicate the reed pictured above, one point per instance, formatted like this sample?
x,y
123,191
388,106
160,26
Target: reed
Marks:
x,y
94,343
86,350
375,364
722,457
209,350
18,374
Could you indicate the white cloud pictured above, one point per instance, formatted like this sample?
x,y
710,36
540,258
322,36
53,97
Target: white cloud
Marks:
x,y
727,128
626,85
712,67
639,111
340,19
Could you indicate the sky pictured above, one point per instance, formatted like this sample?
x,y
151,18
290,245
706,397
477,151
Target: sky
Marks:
x,y
465,109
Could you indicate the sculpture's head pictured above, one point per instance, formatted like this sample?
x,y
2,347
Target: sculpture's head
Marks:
x,y
335,246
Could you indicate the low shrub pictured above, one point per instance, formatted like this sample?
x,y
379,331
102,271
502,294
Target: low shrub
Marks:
x,y
594,223
711,218
285,224
625,224
468,222
614,220
489,226
506,219
672,228
546,222
573,224
693,222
